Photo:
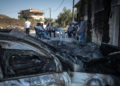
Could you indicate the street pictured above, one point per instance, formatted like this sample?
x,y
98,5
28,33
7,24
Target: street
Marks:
x,y
59,42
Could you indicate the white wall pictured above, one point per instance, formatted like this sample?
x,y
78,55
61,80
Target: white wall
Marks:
x,y
37,17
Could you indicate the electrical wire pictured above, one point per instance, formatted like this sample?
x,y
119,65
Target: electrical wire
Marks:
x,y
59,5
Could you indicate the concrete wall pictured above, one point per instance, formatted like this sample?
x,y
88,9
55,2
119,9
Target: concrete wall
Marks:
x,y
96,36
113,22
37,17
114,26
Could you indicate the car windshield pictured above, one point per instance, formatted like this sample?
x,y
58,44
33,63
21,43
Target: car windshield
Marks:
x,y
16,63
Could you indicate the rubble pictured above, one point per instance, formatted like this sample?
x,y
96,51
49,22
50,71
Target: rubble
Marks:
x,y
91,58
71,54
107,65
106,49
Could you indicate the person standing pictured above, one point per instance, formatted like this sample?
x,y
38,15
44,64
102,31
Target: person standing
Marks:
x,y
51,30
75,28
27,26
81,30
47,28
70,30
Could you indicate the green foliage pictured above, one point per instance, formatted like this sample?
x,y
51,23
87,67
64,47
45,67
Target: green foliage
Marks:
x,y
48,20
21,18
65,17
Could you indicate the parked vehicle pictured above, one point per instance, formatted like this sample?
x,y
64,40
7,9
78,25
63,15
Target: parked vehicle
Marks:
x,y
24,62
60,32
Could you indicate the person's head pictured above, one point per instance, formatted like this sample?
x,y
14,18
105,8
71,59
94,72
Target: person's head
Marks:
x,y
38,24
81,19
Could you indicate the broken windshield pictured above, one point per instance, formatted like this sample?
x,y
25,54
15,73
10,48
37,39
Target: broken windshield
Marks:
x,y
15,63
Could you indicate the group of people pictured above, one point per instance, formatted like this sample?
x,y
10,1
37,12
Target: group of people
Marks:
x,y
78,30
40,30
74,30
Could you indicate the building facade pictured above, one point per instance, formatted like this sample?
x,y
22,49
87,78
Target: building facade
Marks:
x,y
97,15
32,13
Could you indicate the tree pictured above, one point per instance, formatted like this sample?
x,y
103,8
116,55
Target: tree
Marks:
x,y
65,17
48,20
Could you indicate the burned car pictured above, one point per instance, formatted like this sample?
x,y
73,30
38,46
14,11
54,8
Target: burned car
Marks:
x,y
25,62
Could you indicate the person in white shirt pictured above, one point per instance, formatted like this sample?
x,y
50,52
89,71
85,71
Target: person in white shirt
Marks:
x,y
27,26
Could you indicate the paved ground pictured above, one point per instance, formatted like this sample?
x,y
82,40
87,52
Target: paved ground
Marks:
x,y
57,38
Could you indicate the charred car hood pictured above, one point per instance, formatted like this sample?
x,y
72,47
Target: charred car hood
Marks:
x,y
56,79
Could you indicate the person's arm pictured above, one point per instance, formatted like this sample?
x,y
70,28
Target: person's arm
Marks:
x,y
25,24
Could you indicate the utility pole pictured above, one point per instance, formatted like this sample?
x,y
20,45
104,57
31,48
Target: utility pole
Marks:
x,y
73,10
50,13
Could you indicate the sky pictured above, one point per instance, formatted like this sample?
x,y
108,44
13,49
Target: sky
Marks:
x,y
12,7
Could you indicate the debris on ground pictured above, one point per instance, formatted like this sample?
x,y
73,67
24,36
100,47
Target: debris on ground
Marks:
x,y
74,55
